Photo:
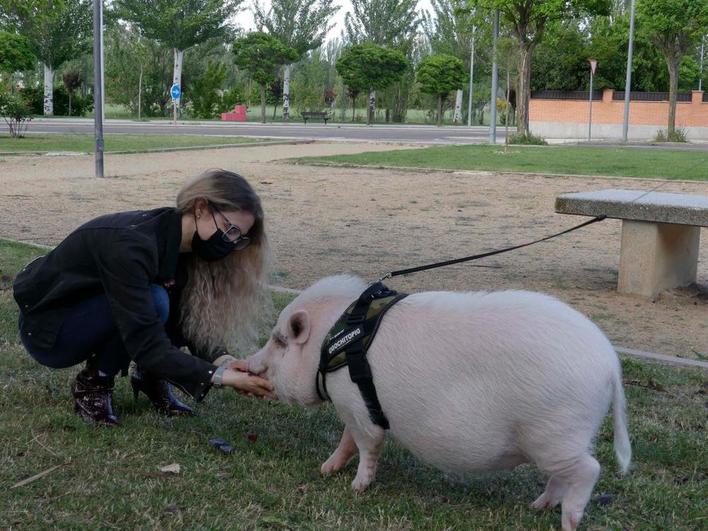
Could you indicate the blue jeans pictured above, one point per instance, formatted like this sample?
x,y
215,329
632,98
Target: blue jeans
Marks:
x,y
89,334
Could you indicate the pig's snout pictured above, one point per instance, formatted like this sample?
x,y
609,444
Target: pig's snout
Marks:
x,y
255,364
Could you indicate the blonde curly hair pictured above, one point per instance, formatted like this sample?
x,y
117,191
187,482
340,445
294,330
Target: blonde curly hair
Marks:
x,y
230,294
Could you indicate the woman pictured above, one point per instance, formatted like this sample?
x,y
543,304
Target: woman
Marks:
x,y
139,285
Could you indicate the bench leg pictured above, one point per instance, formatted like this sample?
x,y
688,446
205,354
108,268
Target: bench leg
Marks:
x,y
657,256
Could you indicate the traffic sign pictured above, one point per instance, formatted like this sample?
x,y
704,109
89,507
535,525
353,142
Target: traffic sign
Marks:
x,y
175,91
593,64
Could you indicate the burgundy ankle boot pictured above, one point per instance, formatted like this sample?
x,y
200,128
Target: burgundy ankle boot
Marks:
x,y
160,394
93,397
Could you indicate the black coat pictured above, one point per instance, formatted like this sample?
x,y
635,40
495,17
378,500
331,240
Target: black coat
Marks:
x,y
120,255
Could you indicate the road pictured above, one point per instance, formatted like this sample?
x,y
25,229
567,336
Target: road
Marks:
x,y
409,134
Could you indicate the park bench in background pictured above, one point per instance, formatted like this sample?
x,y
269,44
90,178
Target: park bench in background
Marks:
x,y
660,234
315,115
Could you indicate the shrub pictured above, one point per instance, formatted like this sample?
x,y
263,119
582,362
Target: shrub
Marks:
x,y
679,135
529,139
16,112
80,105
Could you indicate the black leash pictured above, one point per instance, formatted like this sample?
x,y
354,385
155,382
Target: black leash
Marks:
x,y
484,255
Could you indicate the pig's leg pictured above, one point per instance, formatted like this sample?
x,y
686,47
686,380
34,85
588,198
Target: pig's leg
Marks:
x,y
370,444
553,494
341,456
581,479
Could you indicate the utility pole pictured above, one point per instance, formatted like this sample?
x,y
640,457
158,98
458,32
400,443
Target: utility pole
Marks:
x,y
98,83
700,77
469,103
495,75
593,65
628,79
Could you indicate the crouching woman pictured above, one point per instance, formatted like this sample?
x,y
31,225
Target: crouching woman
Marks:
x,y
139,285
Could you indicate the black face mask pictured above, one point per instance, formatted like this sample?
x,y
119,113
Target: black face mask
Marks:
x,y
213,249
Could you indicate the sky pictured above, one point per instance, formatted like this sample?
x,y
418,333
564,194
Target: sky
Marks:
x,y
245,18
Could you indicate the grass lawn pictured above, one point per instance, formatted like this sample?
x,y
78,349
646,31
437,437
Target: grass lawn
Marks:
x,y
85,143
109,478
626,162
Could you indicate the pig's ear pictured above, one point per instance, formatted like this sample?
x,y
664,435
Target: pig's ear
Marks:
x,y
300,326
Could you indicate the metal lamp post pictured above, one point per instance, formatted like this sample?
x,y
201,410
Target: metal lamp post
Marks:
x,y
593,66
98,83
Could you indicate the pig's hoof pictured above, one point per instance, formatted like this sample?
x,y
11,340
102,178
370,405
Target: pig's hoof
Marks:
x,y
544,501
360,485
331,466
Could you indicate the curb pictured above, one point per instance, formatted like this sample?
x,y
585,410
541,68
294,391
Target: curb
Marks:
x,y
418,169
158,150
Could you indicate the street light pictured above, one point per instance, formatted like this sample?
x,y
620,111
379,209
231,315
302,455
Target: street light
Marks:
x,y
495,73
593,66
98,83
628,80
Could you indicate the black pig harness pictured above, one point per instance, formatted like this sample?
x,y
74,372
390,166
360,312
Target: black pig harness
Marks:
x,y
348,341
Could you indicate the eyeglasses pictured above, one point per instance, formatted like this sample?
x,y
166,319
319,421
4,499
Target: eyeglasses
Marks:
x,y
232,234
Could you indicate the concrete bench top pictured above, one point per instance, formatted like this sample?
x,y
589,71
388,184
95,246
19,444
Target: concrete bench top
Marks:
x,y
637,205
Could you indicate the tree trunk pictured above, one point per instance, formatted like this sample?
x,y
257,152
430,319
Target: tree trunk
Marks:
x,y
372,107
48,91
286,93
440,109
354,107
263,103
69,103
523,94
177,75
457,117
673,64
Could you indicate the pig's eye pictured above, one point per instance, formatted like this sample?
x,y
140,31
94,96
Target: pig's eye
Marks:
x,y
279,340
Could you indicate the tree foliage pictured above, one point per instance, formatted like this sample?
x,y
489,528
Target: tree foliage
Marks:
x,y
55,30
299,24
391,23
15,53
370,66
179,24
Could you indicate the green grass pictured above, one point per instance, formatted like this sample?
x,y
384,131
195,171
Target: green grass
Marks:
x,y
625,162
110,479
85,143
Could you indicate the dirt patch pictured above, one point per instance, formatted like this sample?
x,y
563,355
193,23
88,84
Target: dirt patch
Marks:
x,y
323,221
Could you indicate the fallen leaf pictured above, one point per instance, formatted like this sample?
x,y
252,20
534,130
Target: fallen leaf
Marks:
x,y
174,468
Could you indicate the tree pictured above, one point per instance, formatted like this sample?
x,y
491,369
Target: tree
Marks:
x,y
72,81
674,26
56,30
370,66
299,24
179,24
16,112
452,31
439,75
391,23
527,20
15,53
262,54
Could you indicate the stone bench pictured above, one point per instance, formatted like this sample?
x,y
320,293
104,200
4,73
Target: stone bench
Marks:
x,y
660,234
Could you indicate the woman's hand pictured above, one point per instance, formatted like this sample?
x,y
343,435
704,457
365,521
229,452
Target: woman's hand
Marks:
x,y
247,384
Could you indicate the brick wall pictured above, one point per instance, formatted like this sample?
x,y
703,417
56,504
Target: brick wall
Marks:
x,y
571,116
609,111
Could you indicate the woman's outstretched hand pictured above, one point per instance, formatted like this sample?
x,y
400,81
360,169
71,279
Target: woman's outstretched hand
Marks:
x,y
246,383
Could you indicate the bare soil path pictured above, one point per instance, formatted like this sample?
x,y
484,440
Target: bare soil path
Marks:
x,y
324,221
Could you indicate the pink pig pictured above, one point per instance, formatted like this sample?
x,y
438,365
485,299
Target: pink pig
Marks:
x,y
468,381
